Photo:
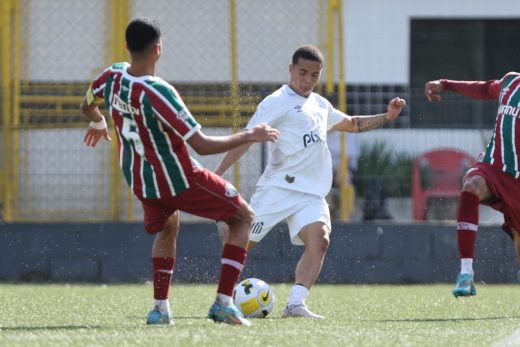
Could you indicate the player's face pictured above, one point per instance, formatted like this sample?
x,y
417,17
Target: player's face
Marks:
x,y
304,76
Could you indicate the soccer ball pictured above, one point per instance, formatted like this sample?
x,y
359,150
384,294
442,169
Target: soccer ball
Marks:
x,y
254,298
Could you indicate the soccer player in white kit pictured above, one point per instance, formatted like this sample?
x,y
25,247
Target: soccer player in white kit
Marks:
x,y
298,175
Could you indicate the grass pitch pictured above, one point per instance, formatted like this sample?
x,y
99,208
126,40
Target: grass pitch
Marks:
x,y
114,315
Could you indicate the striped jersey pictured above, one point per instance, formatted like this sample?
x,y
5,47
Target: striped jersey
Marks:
x,y
152,125
503,148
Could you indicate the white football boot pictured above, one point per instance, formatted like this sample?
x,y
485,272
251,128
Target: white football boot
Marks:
x,y
299,311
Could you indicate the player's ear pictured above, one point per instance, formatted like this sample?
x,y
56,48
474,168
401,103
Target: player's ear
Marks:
x,y
291,68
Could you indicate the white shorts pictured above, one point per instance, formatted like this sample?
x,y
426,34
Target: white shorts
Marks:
x,y
273,205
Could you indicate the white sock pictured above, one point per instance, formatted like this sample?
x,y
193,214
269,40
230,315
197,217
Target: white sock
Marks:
x,y
466,266
298,295
163,305
224,300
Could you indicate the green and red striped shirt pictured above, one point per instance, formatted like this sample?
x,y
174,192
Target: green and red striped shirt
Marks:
x,y
152,126
503,149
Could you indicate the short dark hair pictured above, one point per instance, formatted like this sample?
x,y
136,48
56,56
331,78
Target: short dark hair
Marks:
x,y
308,52
141,33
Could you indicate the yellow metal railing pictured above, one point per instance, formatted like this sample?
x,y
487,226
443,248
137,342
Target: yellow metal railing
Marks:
x,y
59,107
234,83
26,104
10,87
120,16
335,25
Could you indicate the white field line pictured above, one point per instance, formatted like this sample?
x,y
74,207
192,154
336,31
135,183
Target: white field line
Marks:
x,y
509,341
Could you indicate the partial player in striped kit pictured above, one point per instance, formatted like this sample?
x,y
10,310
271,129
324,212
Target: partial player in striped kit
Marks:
x,y
152,126
494,179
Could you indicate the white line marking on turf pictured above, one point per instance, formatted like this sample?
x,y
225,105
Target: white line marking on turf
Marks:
x,y
511,340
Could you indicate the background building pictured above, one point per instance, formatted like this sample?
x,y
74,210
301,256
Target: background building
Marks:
x,y
224,57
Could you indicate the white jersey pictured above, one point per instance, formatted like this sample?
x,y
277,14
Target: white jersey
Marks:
x,y
300,159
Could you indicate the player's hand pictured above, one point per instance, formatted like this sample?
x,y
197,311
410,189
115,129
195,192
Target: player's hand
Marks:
x,y
433,90
394,108
93,136
263,132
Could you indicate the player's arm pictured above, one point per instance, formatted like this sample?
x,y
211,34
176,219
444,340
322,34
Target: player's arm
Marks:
x,y
231,157
359,124
205,144
98,126
484,90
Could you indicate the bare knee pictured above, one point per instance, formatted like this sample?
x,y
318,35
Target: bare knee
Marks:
x,y
323,243
239,227
318,241
244,215
171,227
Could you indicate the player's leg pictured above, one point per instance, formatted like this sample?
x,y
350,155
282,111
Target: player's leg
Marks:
x,y
474,191
163,262
212,197
239,230
516,240
161,219
315,237
234,255
308,226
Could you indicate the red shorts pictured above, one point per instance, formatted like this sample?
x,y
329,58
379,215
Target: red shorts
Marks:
x,y
506,191
208,196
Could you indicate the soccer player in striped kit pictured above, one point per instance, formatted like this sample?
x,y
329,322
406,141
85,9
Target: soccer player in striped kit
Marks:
x,y
153,125
493,180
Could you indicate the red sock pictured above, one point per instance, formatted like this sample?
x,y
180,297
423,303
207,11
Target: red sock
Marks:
x,y
162,276
233,260
467,224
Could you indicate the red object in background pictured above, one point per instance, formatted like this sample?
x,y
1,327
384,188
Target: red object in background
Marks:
x,y
437,174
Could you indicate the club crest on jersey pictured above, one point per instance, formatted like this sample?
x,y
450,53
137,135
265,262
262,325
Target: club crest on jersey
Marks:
x,y
504,92
231,191
122,106
311,137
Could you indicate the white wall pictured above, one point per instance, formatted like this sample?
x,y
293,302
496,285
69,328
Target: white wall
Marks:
x,y
377,32
67,37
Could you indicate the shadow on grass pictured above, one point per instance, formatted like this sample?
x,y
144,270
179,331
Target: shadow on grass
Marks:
x,y
205,318
54,327
428,320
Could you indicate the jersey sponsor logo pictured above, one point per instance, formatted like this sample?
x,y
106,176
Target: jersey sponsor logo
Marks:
x,y
256,228
231,191
182,115
311,137
122,106
508,110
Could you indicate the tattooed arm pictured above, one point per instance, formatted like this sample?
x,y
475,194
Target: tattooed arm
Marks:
x,y
358,124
